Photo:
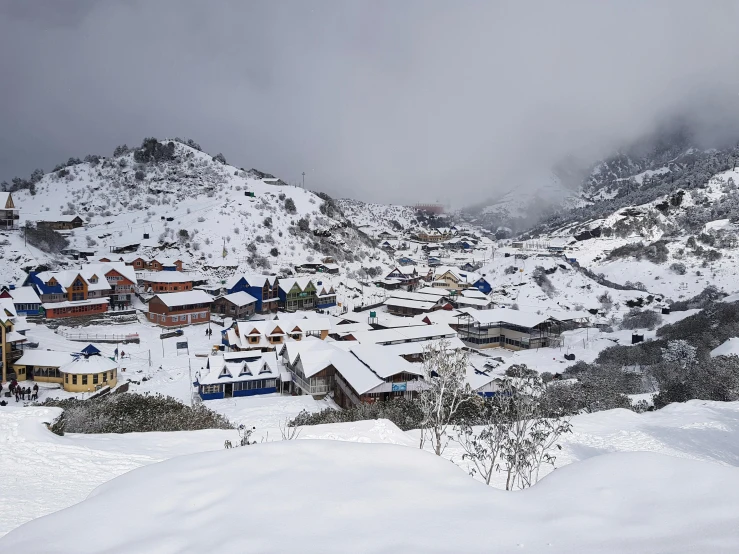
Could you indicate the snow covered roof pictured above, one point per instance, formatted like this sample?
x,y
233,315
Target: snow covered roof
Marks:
x,y
24,295
447,317
505,315
406,303
44,358
302,282
415,348
253,279
474,293
221,369
728,348
470,301
68,304
4,196
381,361
88,365
240,298
164,277
14,336
433,291
405,334
184,298
7,308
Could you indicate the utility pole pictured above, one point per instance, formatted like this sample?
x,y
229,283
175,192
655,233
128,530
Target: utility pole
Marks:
x,y
303,179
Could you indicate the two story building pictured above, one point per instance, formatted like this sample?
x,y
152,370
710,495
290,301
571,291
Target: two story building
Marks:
x,y
265,288
238,305
10,338
71,293
297,294
234,374
164,281
177,309
9,214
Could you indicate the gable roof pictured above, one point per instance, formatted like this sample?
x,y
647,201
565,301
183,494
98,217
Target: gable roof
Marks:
x,y
505,315
240,298
172,299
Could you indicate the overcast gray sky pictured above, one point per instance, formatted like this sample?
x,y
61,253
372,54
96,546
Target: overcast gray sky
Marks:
x,y
394,101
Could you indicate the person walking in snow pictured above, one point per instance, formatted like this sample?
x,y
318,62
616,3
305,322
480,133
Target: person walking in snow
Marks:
x,y
35,392
17,395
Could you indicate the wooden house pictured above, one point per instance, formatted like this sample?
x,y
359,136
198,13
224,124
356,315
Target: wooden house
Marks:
x,y
264,288
177,309
64,223
234,374
164,281
9,214
238,305
297,294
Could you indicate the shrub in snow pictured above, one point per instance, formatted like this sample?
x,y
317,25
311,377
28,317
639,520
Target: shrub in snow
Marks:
x,y
510,270
637,319
404,413
518,433
267,222
444,373
45,239
679,268
274,252
201,219
236,230
133,413
304,224
290,206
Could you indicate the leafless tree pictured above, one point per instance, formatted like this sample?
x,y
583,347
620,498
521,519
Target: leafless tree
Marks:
x,y
444,372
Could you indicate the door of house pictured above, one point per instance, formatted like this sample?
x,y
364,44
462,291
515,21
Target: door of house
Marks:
x,y
228,390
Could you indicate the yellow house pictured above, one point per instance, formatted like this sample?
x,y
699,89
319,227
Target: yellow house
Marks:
x,y
41,365
10,338
89,372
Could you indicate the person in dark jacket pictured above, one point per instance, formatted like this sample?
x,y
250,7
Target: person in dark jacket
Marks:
x,y
35,392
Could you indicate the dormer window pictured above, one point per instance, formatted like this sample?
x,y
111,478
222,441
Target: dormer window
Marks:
x,y
224,373
94,279
245,371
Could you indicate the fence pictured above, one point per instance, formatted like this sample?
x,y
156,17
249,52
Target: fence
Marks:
x,y
96,337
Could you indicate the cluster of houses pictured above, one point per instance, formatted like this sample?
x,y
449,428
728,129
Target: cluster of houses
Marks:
x,y
173,297
356,361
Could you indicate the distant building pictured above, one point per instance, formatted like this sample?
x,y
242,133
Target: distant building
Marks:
x,y
164,281
9,214
11,337
62,224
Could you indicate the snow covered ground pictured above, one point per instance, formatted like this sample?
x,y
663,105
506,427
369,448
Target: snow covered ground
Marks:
x,y
384,497
654,482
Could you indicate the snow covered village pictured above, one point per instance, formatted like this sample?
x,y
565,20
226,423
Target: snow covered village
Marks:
x,y
398,333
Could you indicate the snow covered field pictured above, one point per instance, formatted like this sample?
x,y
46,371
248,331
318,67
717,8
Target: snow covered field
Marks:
x,y
655,482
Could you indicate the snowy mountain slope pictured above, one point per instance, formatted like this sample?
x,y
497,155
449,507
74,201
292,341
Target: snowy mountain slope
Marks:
x,y
676,244
376,218
214,223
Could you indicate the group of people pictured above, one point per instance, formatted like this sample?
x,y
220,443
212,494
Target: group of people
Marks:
x,y
209,332
21,393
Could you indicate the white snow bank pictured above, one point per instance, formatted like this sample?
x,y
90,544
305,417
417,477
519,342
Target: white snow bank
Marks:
x,y
328,496
729,348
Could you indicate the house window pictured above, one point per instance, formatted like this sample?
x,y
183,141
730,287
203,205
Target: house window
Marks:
x,y
84,379
66,378
105,377
95,379
74,379
211,389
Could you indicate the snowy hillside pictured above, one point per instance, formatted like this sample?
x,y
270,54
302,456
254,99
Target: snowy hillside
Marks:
x,y
192,206
376,218
677,244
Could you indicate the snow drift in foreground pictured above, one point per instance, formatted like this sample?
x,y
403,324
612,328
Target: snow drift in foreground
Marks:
x,y
329,496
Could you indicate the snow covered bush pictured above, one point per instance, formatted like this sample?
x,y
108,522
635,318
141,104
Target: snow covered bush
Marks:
x,y
679,268
637,319
290,206
133,413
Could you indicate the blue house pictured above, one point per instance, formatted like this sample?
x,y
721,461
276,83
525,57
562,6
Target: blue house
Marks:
x,y
233,374
483,286
265,288
25,300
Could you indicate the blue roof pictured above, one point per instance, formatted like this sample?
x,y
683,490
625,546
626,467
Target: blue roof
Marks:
x,y
42,287
90,350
